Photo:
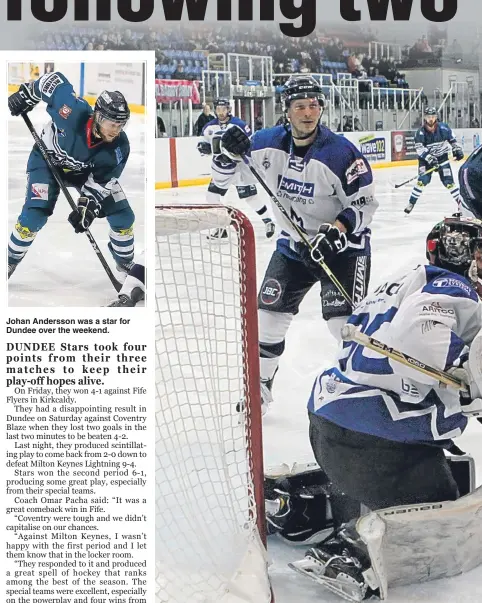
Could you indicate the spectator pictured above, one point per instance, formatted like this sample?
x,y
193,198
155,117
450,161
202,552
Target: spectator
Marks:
x,y
357,126
205,117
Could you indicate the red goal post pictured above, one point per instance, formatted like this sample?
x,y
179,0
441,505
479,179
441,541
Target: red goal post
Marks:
x,y
210,519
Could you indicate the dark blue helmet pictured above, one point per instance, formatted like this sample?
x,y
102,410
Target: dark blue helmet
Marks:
x,y
112,106
222,102
431,111
302,86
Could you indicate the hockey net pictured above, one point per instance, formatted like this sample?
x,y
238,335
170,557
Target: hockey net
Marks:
x,y
209,467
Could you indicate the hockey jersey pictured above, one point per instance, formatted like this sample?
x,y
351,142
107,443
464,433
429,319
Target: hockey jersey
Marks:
x,y
437,143
430,314
332,181
470,181
90,164
212,134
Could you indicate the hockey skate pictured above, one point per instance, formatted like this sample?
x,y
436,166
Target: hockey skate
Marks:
x,y
266,397
124,267
219,233
409,208
342,565
128,301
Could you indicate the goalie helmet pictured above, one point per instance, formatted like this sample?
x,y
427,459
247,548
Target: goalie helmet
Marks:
x,y
299,87
113,107
456,245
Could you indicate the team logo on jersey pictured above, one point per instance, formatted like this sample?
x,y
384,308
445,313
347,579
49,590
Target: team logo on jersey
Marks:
x,y
65,111
118,155
270,292
295,187
452,282
296,163
331,384
266,163
40,191
356,169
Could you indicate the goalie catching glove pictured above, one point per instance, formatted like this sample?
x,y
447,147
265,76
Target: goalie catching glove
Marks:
x,y
23,100
235,143
86,212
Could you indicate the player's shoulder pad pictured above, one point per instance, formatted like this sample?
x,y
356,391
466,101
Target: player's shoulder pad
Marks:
x,y
236,121
271,138
341,156
444,282
210,124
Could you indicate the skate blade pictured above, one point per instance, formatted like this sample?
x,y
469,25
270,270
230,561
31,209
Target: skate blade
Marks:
x,y
308,568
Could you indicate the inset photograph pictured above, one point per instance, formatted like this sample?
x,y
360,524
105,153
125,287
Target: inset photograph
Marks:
x,y
77,187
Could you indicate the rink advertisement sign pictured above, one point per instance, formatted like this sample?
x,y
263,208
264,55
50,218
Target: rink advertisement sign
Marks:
x,y
373,147
174,90
403,145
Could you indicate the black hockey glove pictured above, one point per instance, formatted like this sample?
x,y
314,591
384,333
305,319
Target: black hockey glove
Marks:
x,y
235,142
204,148
431,160
458,152
327,243
87,211
23,100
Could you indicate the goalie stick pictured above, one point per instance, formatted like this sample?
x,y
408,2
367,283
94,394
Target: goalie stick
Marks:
x,y
415,177
56,174
351,333
299,231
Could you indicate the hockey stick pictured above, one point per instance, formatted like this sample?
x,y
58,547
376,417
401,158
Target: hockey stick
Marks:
x,y
351,333
300,232
417,176
56,174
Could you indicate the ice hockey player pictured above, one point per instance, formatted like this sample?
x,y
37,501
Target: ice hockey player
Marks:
x,y
379,428
91,149
470,181
433,143
133,288
225,170
326,186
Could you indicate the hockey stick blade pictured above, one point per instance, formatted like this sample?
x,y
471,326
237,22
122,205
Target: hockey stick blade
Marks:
x,y
351,333
56,174
415,177
299,231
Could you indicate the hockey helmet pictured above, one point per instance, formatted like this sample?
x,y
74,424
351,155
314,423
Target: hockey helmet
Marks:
x,y
456,245
431,111
299,87
222,102
113,107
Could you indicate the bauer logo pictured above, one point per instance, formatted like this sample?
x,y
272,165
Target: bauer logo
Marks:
x,y
270,292
295,187
40,191
374,149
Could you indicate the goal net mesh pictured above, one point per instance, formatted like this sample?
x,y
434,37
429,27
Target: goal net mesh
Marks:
x,y
209,503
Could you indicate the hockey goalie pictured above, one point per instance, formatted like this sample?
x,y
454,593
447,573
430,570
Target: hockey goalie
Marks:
x,y
389,501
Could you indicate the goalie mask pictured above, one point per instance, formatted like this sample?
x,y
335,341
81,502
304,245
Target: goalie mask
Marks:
x,y
456,245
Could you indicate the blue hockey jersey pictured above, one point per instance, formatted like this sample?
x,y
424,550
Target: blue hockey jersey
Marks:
x,y
88,163
332,181
470,181
430,314
438,142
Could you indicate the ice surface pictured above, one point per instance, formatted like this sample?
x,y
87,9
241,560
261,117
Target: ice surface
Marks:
x,y
61,268
398,243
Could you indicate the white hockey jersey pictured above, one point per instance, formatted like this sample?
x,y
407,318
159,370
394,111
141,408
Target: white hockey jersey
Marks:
x,y
332,181
212,134
430,314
